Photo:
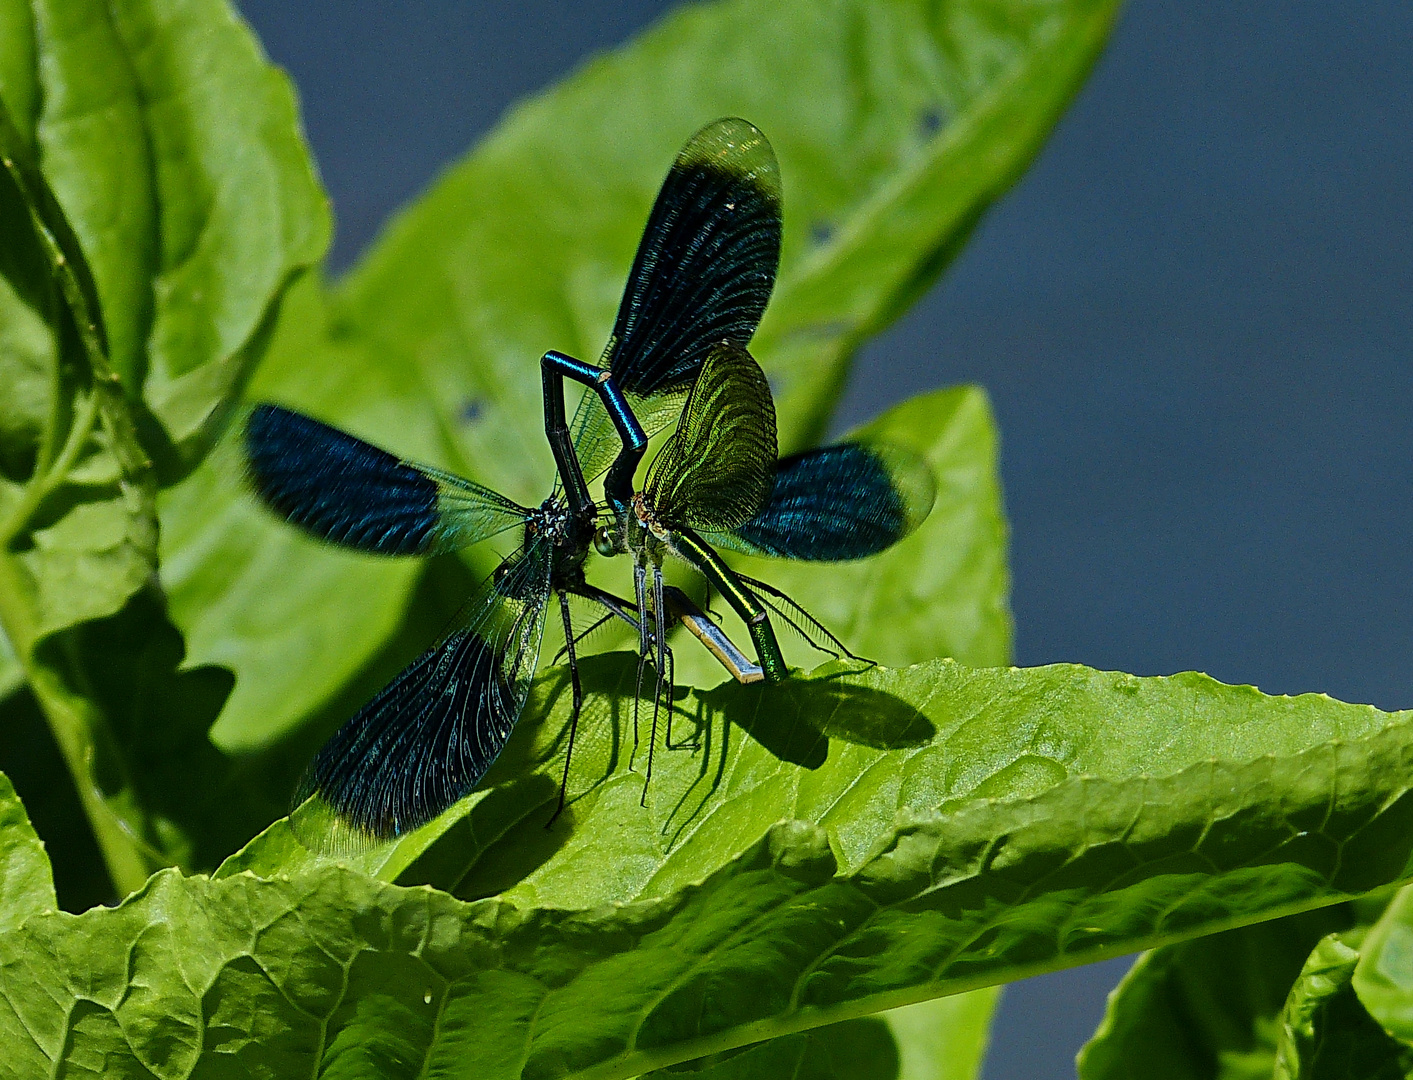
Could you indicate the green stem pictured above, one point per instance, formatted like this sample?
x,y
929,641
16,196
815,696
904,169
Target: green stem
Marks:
x,y
42,485
77,722
74,721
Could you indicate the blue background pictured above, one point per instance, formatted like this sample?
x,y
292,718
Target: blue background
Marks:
x,y
1194,316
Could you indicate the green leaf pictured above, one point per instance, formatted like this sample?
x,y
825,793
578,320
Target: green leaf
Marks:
x,y
19,87
293,619
1383,978
157,198
173,147
26,885
77,514
943,1039
1211,1009
1326,1033
11,673
281,976
463,303
944,590
1207,1009
895,126
1055,815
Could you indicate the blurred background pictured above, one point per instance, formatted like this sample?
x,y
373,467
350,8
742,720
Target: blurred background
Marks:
x,y
1194,316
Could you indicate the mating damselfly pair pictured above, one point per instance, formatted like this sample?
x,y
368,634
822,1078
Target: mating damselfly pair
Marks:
x,y
697,289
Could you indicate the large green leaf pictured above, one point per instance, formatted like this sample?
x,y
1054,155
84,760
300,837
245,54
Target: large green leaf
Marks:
x,y
1383,978
525,246
1326,1032
180,976
293,619
856,752
174,149
895,124
1208,1009
156,198
26,885
942,1039
1023,820
1053,816
77,514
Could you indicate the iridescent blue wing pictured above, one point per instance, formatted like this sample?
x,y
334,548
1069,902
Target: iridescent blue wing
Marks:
x,y
703,274
427,738
838,502
349,492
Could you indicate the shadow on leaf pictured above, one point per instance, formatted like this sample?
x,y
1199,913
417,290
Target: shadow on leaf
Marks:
x,y
795,719
501,840
202,805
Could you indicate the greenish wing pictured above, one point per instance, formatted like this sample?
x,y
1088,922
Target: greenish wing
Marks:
x,y
836,503
716,471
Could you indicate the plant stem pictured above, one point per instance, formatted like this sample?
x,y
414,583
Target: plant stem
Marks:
x,y
42,485
77,722
74,721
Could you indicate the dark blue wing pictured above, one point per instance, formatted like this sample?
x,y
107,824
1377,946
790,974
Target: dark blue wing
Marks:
x,y
838,502
426,739
703,273
349,492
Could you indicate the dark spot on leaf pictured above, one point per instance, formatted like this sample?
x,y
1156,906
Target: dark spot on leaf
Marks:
x,y
930,122
821,232
470,411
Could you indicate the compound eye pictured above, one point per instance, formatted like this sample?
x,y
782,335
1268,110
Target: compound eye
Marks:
x,y
603,541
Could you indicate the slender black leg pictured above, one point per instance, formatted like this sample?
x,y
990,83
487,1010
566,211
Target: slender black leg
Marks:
x,y
564,649
577,690
617,607
695,743
819,627
640,595
660,664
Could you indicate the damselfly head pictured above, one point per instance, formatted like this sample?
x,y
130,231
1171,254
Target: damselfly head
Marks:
x,y
605,542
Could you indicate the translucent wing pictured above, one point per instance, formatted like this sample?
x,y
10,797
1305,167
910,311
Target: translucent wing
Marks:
x,y
429,736
838,502
703,274
349,492
715,472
